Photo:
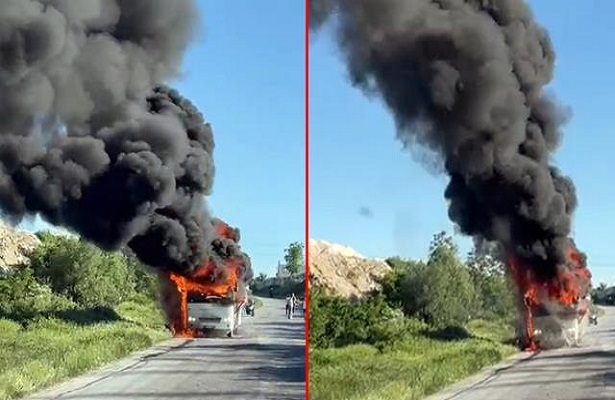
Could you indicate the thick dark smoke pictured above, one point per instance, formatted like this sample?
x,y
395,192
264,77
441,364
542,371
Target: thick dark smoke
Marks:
x,y
225,249
91,139
465,79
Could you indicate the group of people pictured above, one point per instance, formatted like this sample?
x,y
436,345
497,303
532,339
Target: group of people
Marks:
x,y
293,305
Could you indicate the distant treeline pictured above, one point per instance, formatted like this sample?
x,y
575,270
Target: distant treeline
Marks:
x,y
603,294
279,288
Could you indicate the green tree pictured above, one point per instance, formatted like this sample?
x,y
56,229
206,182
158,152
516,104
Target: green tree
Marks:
x,y
390,283
257,283
404,286
146,280
260,279
293,256
82,272
449,295
414,289
336,321
600,293
488,272
22,295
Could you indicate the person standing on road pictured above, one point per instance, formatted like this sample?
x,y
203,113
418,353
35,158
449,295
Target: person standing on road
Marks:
x,y
297,308
292,301
289,302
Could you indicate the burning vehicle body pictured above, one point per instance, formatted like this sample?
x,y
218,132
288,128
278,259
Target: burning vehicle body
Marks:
x,y
551,325
212,298
553,313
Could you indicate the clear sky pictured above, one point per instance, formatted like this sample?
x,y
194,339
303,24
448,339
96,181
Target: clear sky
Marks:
x,y
356,165
246,74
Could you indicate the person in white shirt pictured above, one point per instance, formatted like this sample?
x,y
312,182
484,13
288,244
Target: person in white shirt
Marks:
x,y
293,303
289,302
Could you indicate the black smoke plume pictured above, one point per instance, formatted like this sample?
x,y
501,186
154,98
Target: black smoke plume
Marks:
x,y
91,139
465,79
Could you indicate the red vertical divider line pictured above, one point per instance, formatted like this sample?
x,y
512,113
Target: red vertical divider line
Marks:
x,y
307,199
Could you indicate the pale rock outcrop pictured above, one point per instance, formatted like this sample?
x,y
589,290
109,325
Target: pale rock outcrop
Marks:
x,y
342,270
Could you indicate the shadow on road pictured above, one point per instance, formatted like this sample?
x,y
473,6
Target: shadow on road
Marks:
x,y
287,330
538,372
287,364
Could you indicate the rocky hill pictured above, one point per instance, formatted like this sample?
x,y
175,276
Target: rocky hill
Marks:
x,y
342,270
14,246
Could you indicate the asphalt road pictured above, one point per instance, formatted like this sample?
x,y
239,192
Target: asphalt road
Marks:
x,y
583,373
266,361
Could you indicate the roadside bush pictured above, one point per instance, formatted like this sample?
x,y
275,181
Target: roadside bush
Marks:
x,y
495,291
336,321
22,296
405,287
146,281
439,292
450,298
8,327
82,272
322,310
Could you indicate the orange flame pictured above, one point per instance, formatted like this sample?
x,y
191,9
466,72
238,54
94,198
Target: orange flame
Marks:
x,y
565,288
205,282
225,231
179,325
530,297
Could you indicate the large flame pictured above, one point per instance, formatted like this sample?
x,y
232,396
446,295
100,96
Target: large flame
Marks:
x,y
567,289
208,281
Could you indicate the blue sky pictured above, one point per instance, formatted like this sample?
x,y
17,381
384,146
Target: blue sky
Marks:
x,y
245,73
356,162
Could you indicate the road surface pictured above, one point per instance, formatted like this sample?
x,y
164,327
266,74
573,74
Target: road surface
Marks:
x,y
584,373
266,361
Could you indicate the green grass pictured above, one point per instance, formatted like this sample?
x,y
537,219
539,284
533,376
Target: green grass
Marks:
x,y
410,370
43,351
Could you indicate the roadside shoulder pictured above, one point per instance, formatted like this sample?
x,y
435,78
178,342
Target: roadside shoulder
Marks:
x,y
109,370
481,377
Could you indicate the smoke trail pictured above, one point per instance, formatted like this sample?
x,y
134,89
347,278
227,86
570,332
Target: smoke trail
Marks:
x,y
465,79
89,136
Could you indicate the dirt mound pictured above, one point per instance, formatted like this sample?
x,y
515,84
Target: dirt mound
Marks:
x,y
342,270
15,246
